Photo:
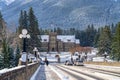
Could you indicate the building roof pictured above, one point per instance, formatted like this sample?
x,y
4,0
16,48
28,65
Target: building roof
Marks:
x,y
63,38
44,38
66,38
77,41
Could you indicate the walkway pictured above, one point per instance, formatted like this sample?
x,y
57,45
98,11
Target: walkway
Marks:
x,y
44,73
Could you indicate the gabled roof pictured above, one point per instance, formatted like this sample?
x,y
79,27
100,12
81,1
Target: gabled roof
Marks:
x,y
44,38
66,38
77,41
63,38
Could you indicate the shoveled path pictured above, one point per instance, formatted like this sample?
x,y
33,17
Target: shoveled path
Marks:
x,y
45,73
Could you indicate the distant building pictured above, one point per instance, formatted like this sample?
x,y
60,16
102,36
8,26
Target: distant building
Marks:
x,y
58,43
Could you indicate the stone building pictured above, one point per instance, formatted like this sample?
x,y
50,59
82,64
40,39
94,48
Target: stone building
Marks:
x,y
58,43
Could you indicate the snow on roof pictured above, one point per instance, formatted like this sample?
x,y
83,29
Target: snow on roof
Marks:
x,y
66,38
77,41
44,38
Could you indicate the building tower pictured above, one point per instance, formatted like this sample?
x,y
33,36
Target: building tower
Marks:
x,y
53,42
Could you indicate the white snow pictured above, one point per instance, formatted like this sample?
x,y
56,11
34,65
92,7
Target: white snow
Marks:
x,y
61,75
64,38
51,57
23,57
26,1
8,1
44,38
11,69
77,41
35,74
59,4
98,59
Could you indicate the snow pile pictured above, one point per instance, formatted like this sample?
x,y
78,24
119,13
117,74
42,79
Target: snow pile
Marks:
x,y
98,59
59,73
35,74
11,69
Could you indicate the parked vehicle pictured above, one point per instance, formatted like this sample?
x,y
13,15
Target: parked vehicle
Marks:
x,y
68,62
79,63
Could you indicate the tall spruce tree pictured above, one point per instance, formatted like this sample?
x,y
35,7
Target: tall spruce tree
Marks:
x,y
23,24
12,58
115,53
4,43
34,31
104,42
17,55
6,54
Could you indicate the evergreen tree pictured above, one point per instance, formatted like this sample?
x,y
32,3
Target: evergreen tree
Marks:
x,y
23,20
116,44
17,55
6,54
1,62
104,42
11,54
20,22
34,31
59,31
5,48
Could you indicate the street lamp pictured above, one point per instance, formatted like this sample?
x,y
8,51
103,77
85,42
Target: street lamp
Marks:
x,y
24,57
36,54
24,35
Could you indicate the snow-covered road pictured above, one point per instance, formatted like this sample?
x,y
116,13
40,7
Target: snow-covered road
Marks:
x,y
87,72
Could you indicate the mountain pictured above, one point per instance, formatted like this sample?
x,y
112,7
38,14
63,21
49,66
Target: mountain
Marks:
x,y
66,13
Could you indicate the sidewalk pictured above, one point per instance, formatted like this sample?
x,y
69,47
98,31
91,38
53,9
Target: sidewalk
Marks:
x,y
44,73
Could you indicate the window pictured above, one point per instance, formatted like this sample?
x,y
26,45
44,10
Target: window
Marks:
x,y
68,40
45,39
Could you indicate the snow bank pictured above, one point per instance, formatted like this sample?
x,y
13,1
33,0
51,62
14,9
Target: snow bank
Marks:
x,y
61,75
35,74
11,69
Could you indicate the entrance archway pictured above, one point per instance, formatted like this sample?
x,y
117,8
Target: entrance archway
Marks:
x,y
53,49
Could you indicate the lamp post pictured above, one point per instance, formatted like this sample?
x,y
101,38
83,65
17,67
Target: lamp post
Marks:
x,y
24,57
24,35
36,54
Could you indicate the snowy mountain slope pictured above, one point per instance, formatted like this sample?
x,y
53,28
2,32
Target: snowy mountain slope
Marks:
x,y
66,13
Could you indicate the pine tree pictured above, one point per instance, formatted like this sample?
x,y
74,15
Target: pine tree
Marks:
x,y
23,21
116,44
3,35
34,31
17,55
1,62
20,22
6,55
104,42
59,31
11,54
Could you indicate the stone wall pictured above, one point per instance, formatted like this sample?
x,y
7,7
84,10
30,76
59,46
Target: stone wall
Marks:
x,y
19,73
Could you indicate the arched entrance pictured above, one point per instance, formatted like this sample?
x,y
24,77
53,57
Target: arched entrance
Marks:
x,y
53,49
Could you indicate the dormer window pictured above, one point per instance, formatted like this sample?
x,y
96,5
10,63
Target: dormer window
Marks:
x,y
45,40
68,40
